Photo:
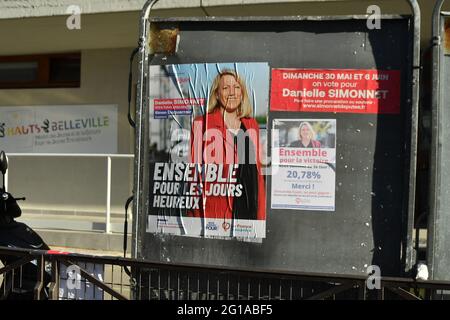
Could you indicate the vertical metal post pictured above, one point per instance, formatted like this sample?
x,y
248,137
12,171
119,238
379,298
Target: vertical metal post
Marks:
x,y
413,95
40,277
54,287
436,154
108,197
362,290
380,293
140,155
6,175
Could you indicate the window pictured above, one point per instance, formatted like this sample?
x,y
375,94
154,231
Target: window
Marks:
x,y
40,71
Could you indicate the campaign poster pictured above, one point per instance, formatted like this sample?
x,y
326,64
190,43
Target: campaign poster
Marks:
x,y
337,90
207,150
304,164
59,129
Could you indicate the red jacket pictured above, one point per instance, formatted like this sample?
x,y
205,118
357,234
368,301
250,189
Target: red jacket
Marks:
x,y
216,149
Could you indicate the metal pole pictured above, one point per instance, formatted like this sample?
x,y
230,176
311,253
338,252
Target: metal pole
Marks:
x,y
140,156
54,287
5,177
435,157
108,197
40,277
414,96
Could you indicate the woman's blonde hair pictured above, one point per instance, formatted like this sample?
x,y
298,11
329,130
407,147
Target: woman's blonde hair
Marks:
x,y
312,134
245,109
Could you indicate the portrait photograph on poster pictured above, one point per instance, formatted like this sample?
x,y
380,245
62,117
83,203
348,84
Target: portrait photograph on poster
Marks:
x,y
207,150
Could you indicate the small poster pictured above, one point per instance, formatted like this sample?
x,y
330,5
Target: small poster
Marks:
x,y
304,164
337,90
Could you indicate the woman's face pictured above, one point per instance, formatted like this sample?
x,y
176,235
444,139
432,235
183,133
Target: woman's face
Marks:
x,y
229,93
305,133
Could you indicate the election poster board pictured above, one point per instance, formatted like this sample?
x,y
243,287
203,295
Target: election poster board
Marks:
x,y
208,150
373,186
59,129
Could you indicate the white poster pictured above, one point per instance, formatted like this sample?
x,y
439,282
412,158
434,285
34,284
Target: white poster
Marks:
x,y
59,129
304,160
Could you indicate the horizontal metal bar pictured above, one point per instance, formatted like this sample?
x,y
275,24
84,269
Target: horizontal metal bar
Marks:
x,y
14,251
71,155
21,252
274,19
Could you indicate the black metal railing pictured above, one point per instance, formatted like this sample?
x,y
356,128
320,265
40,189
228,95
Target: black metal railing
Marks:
x,y
115,278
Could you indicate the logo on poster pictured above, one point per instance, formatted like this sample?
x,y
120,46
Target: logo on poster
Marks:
x,y
211,226
243,228
226,226
161,221
164,223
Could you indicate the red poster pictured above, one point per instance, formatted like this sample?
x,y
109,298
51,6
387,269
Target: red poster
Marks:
x,y
345,90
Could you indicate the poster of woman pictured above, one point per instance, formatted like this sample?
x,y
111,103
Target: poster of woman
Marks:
x,y
207,180
304,158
